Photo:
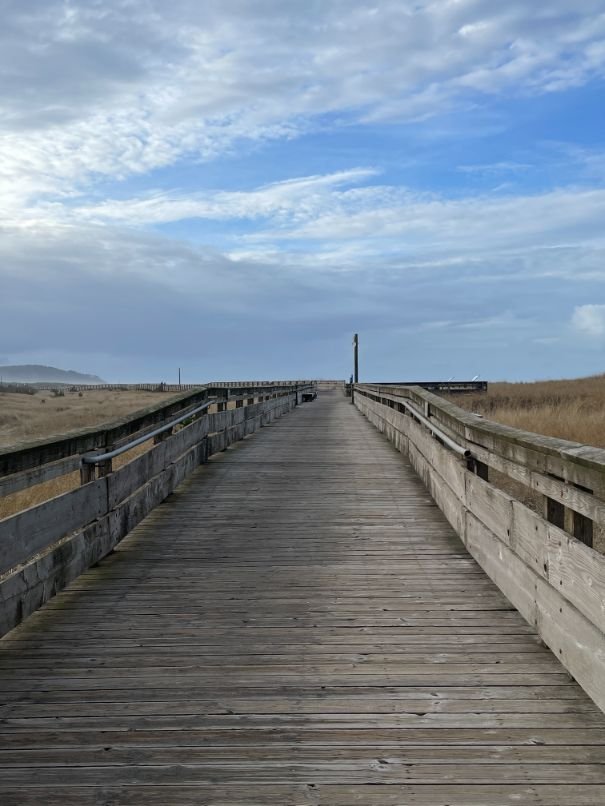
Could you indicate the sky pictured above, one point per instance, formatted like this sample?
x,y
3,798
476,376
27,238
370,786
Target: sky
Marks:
x,y
236,187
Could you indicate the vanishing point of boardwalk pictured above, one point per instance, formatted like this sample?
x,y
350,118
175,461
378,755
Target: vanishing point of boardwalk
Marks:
x,y
296,625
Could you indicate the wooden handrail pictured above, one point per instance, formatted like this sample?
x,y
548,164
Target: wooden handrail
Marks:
x,y
27,456
543,560
46,546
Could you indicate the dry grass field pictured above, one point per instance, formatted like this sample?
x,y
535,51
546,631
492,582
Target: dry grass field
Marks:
x,y
25,418
570,409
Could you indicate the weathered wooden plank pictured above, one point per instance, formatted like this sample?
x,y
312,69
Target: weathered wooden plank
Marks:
x,y
299,625
575,571
572,637
565,494
392,770
578,464
35,529
24,457
29,478
129,478
518,548
58,530
36,454
27,588
309,794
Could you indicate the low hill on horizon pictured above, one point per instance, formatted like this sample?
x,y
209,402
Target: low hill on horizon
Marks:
x,y
39,373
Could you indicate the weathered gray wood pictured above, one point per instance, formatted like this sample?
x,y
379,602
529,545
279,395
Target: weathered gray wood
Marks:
x,y
123,482
29,478
305,794
296,625
34,529
574,639
566,495
577,464
58,531
541,568
25,590
18,459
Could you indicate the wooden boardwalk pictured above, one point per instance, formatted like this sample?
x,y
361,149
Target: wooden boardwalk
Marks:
x,y
297,625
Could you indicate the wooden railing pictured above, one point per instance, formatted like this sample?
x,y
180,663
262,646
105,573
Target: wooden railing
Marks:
x,y
44,547
160,386
529,508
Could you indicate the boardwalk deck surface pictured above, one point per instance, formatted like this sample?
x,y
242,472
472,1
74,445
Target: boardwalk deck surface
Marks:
x,y
297,625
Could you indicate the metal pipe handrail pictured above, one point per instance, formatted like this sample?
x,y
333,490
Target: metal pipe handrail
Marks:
x,y
105,457
459,449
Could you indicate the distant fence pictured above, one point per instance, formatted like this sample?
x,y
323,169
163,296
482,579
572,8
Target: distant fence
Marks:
x,y
447,387
138,387
46,546
328,386
542,561
451,387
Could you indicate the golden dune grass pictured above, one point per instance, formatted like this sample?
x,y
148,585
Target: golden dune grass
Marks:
x,y
24,418
569,409
31,496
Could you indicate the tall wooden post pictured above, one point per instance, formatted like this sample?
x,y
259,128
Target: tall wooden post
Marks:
x,y
355,376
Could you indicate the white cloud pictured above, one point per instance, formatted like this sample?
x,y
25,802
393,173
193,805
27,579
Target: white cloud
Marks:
x,y
343,220
495,168
118,88
294,199
97,90
384,219
589,320
220,312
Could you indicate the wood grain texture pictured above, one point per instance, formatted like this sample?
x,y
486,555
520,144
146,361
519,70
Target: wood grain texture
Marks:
x,y
555,581
297,624
44,548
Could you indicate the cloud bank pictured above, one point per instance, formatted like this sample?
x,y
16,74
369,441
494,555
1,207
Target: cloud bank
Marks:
x,y
114,113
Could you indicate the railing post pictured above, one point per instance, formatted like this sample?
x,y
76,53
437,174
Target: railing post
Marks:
x,y
478,468
87,473
482,470
161,437
222,405
582,527
105,468
554,512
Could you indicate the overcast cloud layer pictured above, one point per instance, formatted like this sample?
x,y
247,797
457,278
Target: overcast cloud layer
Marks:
x,y
236,187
